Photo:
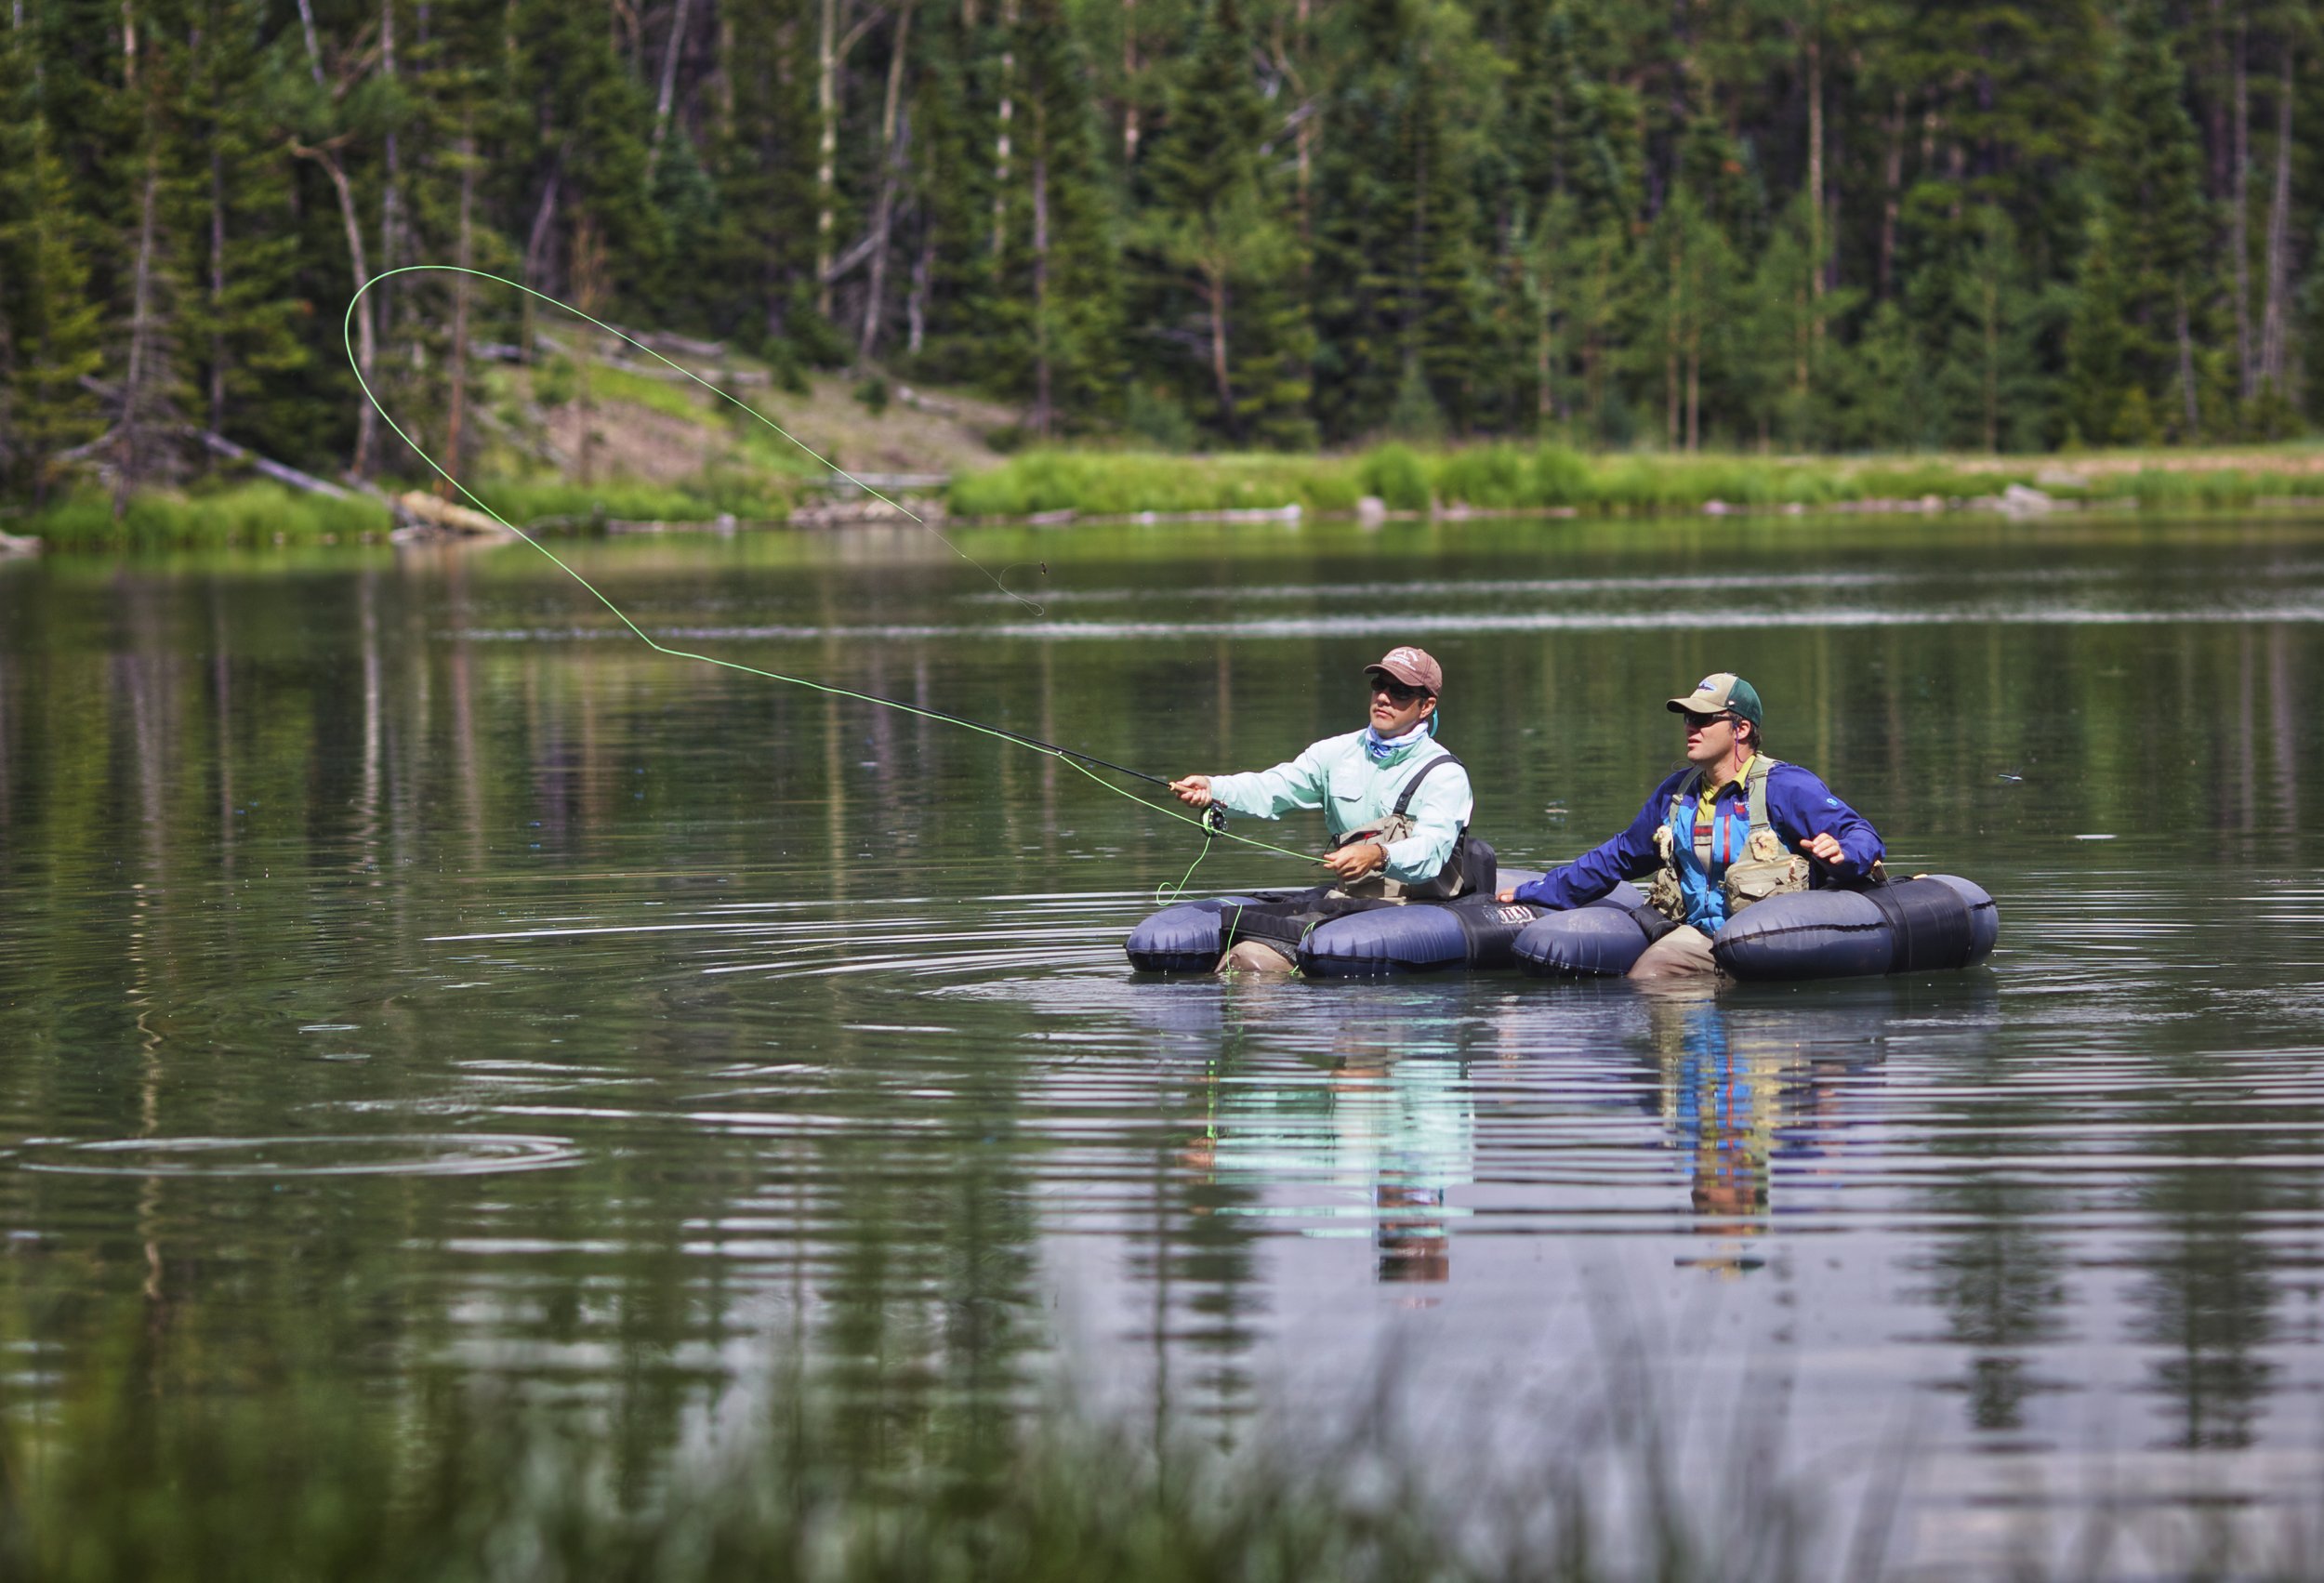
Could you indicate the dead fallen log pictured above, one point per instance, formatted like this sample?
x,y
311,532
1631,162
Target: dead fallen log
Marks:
x,y
281,472
422,510
864,511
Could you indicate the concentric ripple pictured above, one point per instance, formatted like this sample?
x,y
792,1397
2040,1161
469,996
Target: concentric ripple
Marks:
x,y
403,1153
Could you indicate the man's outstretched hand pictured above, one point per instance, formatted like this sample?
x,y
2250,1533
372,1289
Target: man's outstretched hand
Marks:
x,y
1194,791
1355,861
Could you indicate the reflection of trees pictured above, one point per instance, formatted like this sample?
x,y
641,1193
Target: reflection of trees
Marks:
x,y
2209,1291
1998,1274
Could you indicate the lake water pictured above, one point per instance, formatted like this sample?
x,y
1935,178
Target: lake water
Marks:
x,y
397,957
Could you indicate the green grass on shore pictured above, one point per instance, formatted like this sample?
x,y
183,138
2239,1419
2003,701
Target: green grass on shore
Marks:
x,y
1517,478
239,515
1100,484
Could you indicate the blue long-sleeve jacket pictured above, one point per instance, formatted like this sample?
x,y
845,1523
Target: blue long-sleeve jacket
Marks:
x,y
1799,805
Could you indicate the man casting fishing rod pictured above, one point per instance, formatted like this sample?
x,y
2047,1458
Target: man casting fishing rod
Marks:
x,y
1394,800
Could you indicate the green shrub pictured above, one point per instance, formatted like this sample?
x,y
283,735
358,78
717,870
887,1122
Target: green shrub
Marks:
x,y
1560,478
1490,478
255,513
1398,476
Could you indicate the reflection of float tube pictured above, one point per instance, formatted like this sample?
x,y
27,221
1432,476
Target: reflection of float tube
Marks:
x,y
1475,931
1920,925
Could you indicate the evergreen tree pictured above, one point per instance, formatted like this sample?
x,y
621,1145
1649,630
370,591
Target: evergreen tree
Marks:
x,y
1399,278
241,316
2150,184
1224,250
1060,272
50,318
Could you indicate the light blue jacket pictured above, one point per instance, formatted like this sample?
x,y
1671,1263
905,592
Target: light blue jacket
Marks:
x,y
1338,777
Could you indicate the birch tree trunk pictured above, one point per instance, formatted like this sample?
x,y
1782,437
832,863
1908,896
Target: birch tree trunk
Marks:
x,y
366,341
669,90
1214,286
1006,111
2239,223
1129,82
134,436
390,194
463,256
916,303
1041,372
536,249
827,148
1544,401
217,264
894,138
2275,315
314,49
1816,183
2187,369
1304,137
1892,177
1671,354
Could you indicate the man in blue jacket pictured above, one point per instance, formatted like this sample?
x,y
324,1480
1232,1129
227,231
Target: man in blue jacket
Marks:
x,y
1394,800
1733,827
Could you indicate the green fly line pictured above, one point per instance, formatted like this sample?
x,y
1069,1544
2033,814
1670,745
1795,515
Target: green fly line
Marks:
x,y
1210,832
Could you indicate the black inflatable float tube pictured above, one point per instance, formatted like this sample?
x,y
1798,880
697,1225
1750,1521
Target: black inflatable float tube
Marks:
x,y
1348,940
1934,922
1930,923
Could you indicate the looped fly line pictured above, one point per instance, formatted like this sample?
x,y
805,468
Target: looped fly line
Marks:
x,y
1077,762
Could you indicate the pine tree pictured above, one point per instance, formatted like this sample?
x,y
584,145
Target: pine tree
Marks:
x,y
1225,258
2150,184
240,316
1068,267
1400,282
2098,342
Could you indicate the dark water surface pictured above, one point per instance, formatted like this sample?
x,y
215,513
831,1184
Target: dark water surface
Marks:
x,y
403,974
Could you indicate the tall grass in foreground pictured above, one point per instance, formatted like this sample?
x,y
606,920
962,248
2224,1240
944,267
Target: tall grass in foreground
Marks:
x,y
256,1480
1518,478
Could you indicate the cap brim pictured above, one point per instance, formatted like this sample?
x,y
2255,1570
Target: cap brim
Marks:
x,y
1394,675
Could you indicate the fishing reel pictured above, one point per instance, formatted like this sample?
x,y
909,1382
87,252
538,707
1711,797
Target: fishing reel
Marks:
x,y
1214,820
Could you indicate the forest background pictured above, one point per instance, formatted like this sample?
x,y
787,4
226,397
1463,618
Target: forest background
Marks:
x,y
1816,225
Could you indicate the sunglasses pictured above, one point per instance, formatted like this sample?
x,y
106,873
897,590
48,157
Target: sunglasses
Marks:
x,y
1398,693
1704,722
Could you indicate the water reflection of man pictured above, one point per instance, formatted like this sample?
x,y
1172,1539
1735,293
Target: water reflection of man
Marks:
x,y
1734,1093
1735,825
1399,1131
1358,780
1411,1154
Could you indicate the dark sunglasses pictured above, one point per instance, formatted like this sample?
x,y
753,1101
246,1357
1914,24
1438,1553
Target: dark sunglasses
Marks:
x,y
1398,693
1704,722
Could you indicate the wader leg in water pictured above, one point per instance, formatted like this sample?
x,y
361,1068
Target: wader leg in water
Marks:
x,y
1256,956
1683,952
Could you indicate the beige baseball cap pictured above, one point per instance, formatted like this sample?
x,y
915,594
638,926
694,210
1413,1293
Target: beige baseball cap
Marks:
x,y
1414,668
1721,693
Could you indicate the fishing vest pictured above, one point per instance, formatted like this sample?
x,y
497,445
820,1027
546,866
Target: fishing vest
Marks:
x,y
1453,880
1741,859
